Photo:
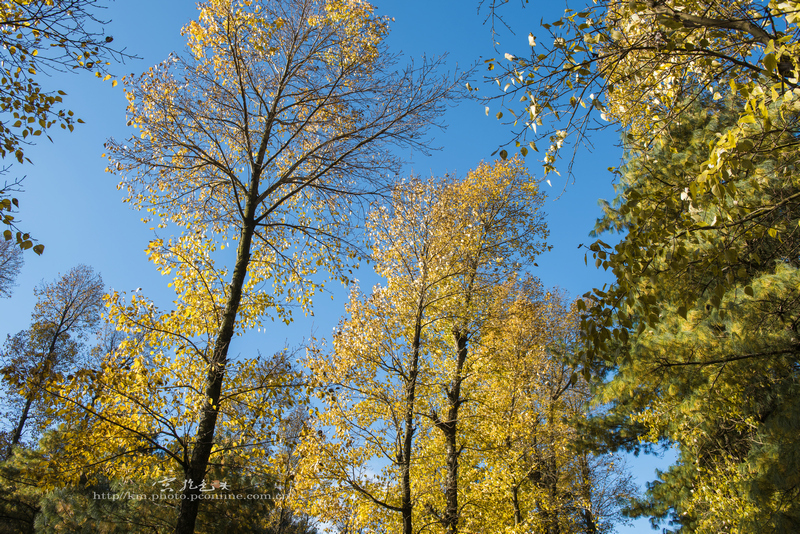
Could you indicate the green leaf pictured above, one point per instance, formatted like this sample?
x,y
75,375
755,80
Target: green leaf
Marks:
x,y
770,62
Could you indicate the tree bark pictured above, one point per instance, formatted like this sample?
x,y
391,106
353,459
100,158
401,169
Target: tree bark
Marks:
x,y
24,417
47,364
589,522
404,458
195,471
449,428
517,508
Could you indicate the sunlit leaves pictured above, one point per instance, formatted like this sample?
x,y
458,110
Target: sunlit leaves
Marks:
x,y
703,357
444,246
265,135
36,36
633,63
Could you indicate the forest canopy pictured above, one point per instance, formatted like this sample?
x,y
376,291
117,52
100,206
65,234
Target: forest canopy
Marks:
x,y
459,391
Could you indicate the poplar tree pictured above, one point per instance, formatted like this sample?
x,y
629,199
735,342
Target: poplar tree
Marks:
x,y
277,119
406,344
376,376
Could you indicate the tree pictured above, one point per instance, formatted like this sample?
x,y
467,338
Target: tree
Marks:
x,y
10,264
267,133
382,385
38,36
501,234
701,325
520,469
376,377
698,327
638,65
375,452
65,312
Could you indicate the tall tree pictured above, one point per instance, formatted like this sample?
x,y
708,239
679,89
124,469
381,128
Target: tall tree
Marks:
x,y
65,312
699,326
519,467
435,243
501,234
702,326
377,376
279,117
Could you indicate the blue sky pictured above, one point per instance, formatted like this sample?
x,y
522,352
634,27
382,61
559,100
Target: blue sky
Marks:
x,y
73,207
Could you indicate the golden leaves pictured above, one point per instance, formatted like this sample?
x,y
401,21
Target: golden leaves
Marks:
x,y
450,251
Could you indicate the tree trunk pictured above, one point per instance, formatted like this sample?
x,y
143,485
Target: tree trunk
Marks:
x,y
589,523
24,417
450,430
551,476
404,458
47,365
195,471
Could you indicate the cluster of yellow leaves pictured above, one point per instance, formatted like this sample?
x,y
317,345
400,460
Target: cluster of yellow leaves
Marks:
x,y
732,56
452,253
515,421
717,500
147,396
638,63
354,20
263,136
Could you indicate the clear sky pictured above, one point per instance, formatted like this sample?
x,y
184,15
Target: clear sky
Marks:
x,y
74,209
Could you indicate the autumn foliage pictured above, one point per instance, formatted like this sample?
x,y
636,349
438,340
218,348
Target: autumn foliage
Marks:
x,y
459,394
